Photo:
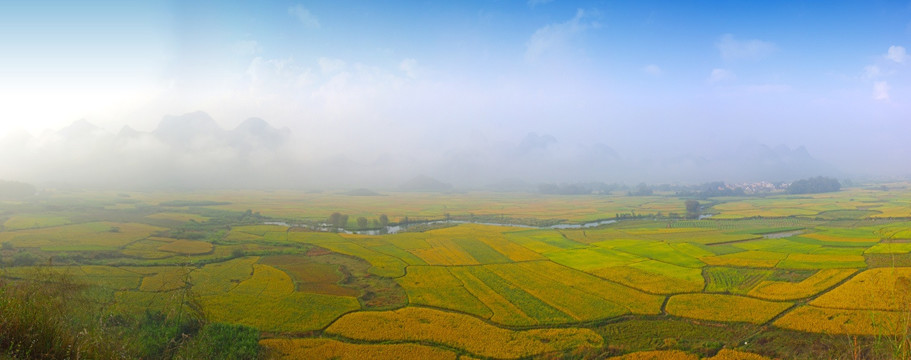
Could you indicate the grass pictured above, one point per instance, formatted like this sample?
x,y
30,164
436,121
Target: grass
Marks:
x,y
187,247
681,334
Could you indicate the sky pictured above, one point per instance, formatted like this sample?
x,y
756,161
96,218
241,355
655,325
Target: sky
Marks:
x,y
366,80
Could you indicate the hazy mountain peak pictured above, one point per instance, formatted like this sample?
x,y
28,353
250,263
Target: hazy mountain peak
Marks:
x,y
81,127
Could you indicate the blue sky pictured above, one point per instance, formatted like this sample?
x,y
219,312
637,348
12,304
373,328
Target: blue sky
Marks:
x,y
443,75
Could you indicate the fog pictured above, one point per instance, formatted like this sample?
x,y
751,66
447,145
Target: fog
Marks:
x,y
479,95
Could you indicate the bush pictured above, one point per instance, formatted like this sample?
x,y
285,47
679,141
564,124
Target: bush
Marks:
x,y
24,258
224,341
40,320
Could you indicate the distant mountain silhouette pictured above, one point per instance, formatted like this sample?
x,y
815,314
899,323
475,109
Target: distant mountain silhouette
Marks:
x,y
422,183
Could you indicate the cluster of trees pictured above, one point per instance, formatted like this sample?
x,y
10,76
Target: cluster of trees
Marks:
x,y
693,209
340,221
14,190
814,185
715,188
641,190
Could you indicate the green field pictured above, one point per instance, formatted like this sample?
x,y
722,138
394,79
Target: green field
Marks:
x,y
774,268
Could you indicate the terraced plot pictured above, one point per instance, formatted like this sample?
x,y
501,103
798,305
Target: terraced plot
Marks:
x,y
337,350
875,289
717,307
267,301
784,290
842,321
459,331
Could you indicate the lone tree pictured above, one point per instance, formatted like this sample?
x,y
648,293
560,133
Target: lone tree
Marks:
x,y
692,209
335,219
343,221
362,222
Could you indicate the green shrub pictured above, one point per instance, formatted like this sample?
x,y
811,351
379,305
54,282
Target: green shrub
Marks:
x,y
223,341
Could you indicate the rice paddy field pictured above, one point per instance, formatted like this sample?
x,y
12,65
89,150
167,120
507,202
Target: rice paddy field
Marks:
x,y
753,281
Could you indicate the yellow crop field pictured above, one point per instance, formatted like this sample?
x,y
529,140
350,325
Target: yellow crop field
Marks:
x,y
88,236
718,307
842,321
648,281
187,247
828,236
814,261
146,249
728,354
175,216
32,221
874,289
783,290
267,301
504,312
654,286
383,265
459,331
221,277
165,278
657,355
632,300
435,286
760,259
333,349
444,252
576,301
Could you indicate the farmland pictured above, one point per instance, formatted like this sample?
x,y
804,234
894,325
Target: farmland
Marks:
x,y
495,280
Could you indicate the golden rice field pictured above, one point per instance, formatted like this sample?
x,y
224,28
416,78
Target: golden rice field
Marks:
x,y
459,331
333,349
718,307
843,321
777,266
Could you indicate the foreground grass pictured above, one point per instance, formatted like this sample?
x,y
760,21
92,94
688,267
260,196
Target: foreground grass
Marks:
x,y
53,317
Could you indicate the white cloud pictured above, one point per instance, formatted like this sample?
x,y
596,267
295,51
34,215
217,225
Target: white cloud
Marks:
x,y
871,71
409,67
246,47
719,75
304,16
732,49
653,70
881,91
329,65
897,54
554,35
